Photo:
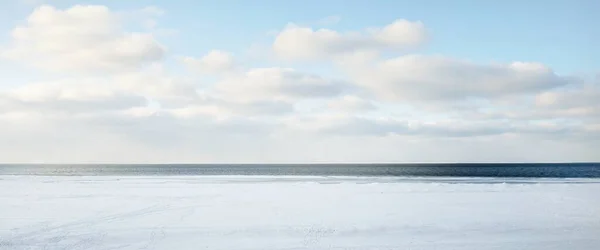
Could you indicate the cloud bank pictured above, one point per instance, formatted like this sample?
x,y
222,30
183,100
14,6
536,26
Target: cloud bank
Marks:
x,y
121,96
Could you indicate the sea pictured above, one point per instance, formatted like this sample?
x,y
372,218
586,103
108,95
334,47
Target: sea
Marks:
x,y
528,170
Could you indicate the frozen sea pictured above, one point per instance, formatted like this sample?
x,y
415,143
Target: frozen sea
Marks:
x,y
62,211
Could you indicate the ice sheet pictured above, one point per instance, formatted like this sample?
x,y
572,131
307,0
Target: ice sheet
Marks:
x,y
236,212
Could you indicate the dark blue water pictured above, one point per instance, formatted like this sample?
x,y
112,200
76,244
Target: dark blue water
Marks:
x,y
562,170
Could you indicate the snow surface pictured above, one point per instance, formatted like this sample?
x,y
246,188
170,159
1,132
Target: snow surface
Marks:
x,y
236,212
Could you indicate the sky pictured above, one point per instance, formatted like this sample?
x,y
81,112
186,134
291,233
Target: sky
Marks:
x,y
299,81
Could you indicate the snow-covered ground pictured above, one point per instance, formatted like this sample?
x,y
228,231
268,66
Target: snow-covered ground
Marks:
x,y
39,212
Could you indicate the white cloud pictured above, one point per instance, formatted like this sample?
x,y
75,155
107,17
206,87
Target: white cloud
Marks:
x,y
121,93
303,43
220,109
148,93
116,99
350,125
434,78
216,61
67,97
575,104
156,85
81,38
400,34
350,104
586,96
582,101
278,84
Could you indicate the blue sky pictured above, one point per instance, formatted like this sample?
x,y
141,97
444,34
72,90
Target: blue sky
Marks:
x,y
502,77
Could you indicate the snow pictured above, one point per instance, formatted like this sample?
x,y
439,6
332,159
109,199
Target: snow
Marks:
x,y
260,212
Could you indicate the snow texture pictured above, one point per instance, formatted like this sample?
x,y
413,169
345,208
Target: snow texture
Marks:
x,y
228,212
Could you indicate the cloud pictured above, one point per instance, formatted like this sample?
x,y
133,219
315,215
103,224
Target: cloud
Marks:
x,y
575,104
303,43
130,93
350,104
156,84
216,61
221,109
585,96
415,78
148,93
81,39
352,126
67,97
278,84
119,96
582,101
